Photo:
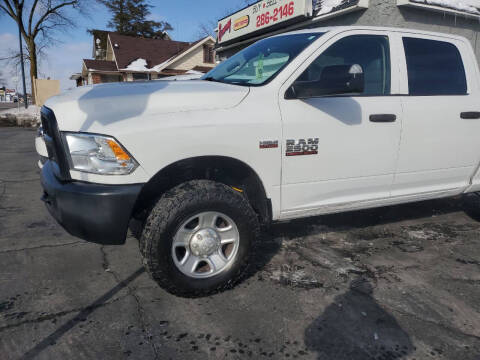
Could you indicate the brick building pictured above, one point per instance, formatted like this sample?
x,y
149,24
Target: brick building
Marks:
x,y
119,58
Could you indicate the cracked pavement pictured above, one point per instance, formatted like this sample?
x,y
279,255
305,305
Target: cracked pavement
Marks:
x,y
394,283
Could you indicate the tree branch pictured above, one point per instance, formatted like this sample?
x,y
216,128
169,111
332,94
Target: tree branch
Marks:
x,y
30,19
9,11
49,12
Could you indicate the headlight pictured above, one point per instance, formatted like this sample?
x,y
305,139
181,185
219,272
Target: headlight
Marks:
x,y
98,155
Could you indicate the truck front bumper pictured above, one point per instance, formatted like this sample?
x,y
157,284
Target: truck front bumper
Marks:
x,y
93,212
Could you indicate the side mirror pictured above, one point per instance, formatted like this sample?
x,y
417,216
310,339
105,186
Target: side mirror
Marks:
x,y
334,80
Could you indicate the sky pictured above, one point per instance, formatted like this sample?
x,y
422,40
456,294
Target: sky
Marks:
x,y
65,57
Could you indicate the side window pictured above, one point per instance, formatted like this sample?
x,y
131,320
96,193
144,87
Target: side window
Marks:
x,y
208,54
372,52
434,68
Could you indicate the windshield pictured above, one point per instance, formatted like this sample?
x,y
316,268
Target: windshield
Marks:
x,y
261,62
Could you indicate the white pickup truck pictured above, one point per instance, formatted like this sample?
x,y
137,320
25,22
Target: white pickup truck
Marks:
x,y
304,123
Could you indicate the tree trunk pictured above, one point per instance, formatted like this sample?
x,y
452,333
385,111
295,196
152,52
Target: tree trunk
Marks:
x,y
32,51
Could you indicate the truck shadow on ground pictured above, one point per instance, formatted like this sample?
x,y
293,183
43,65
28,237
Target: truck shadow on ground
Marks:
x,y
81,317
382,223
361,219
355,327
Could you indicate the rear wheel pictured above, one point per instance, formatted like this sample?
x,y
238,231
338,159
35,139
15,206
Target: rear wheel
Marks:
x,y
471,204
199,238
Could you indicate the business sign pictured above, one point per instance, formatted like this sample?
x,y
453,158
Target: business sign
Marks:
x,y
261,15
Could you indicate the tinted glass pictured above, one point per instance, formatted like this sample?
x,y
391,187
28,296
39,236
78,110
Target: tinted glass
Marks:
x,y
139,76
434,68
371,52
262,61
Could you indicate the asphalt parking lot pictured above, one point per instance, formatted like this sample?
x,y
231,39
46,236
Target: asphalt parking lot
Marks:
x,y
7,105
395,283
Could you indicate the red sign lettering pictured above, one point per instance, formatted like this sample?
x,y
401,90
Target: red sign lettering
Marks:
x,y
223,30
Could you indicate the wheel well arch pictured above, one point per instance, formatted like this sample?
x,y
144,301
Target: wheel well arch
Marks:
x,y
229,171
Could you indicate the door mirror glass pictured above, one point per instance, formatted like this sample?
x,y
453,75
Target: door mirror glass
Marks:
x,y
334,80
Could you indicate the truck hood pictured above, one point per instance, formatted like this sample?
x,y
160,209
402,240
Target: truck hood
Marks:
x,y
92,108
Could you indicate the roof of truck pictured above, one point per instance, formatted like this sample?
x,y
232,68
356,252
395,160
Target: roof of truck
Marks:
x,y
339,29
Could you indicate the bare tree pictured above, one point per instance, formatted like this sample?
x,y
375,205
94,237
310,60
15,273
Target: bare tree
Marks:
x,y
2,80
39,20
207,28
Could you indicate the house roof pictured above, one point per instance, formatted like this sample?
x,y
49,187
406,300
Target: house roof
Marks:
x,y
203,69
173,72
100,65
155,51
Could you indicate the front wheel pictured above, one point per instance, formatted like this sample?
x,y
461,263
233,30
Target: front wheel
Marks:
x,y
199,238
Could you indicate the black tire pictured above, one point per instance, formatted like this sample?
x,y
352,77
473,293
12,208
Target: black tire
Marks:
x,y
178,205
471,204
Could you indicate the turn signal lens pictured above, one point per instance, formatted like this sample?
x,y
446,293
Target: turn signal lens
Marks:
x,y
118,151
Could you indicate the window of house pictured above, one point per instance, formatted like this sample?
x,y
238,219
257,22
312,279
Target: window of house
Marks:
x,y
434,68
105,78
371,52
140,76
208,54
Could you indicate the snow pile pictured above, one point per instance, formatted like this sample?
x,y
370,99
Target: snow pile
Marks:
x,y
328,5
20,117
193,75
141,65
137,65
470,6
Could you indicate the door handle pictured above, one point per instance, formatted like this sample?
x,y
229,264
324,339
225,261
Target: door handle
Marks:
x,y
470,115
383,118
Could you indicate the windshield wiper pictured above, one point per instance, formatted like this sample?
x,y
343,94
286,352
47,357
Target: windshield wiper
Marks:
x,y
211,78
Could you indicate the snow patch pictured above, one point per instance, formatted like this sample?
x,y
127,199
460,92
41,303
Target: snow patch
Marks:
x,y
470,6
20,116
32,110
328,6
186,76
141,65
137,65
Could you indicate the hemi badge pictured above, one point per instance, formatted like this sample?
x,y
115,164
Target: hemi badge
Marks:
x,y
268,144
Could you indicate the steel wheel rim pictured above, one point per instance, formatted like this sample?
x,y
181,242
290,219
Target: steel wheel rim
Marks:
x,y
205,245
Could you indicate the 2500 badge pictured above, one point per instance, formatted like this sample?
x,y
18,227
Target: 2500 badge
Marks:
x,y
302,147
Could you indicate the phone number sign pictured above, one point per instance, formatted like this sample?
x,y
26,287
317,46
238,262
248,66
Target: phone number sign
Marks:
x,y
261,15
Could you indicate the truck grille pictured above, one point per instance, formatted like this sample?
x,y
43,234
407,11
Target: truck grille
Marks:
x,y
54,144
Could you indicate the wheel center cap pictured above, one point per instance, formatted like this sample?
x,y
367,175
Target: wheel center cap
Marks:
x,y
204,242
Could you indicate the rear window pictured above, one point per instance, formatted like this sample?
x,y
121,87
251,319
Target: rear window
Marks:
x,y
434,68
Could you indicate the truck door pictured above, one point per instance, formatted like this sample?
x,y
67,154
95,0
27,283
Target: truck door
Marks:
x,y
341,151
440,148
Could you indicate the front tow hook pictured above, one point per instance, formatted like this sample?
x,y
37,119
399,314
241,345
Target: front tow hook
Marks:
x,y
46,199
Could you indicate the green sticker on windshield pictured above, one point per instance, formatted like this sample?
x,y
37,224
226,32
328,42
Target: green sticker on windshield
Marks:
x,y
259,67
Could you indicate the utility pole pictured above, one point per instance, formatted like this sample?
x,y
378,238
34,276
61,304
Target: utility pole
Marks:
x,y
25,99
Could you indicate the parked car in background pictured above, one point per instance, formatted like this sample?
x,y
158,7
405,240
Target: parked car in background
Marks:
x,y
310,122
